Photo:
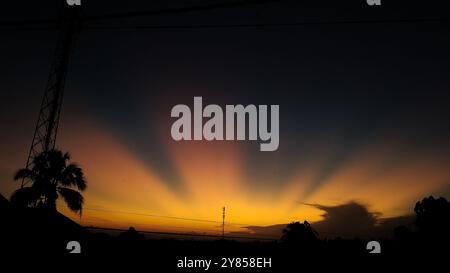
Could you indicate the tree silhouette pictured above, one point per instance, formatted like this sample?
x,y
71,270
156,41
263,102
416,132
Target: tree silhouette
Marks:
x,y
299,233
132,235
51,176
433,216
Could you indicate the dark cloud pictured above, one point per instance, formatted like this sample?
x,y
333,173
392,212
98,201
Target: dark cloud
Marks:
x,y
347,220
355,220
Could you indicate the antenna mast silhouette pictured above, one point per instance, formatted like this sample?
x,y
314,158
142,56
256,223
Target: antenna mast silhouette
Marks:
x,y
44,138
223,223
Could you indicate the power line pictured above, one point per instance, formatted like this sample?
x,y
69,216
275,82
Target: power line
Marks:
x,y
198,220
222,5
239,26
222,230
92,223
166,11
30,24
166,216
267,25
187,234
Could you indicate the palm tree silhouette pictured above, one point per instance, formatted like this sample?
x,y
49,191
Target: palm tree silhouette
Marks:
x,y
51,176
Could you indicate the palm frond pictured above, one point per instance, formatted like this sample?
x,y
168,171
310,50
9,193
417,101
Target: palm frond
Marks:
x,y
23,174
66,156
73,176
25,197
73,198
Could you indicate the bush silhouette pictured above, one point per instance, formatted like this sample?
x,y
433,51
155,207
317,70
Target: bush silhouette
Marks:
x,y
299,233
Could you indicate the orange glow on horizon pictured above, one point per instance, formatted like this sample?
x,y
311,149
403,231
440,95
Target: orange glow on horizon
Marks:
x,y
123,191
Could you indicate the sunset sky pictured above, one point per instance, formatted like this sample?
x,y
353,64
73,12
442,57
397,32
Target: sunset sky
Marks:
x,y
363,117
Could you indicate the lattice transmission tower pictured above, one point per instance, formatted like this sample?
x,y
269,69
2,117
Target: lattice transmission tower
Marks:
x,y
44,138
